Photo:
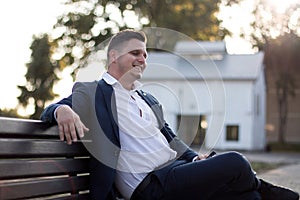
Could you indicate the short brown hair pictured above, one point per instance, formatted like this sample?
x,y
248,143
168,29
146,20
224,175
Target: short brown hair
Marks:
x,y
124,36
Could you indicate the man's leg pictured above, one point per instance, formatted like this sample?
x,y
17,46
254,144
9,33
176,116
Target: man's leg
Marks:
x,y
206,178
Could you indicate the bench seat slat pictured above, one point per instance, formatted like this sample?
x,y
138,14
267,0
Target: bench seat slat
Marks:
x,y
39,148
84,196
10,169
42,188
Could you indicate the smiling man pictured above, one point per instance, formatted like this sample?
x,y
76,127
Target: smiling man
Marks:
x,y
134,153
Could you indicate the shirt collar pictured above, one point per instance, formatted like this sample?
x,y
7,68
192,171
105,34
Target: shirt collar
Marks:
x,y
109,79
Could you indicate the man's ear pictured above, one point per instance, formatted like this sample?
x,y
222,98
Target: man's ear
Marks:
x,y
112,55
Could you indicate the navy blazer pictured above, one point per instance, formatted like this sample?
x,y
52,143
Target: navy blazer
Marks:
x,y
95,103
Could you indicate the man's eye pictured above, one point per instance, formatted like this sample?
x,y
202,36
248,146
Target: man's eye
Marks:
x,y
139,53
135,53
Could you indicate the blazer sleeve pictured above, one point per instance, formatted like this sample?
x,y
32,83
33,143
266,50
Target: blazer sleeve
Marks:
x,y
81,92
48,113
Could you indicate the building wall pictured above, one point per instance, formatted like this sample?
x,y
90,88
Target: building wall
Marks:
x,y
221,102
259,112
228,92
240,111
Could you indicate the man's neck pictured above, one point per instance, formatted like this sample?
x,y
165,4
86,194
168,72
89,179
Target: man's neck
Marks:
x,y
127,84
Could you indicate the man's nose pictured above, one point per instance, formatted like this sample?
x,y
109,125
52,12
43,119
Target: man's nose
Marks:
x,y
142,59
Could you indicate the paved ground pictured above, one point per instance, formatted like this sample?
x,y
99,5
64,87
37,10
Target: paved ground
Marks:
x,y
288,175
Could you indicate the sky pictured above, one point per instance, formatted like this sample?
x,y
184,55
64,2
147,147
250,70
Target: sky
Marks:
x,y
21,19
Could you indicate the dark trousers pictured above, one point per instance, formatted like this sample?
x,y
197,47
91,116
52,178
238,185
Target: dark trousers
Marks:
x,y
226,176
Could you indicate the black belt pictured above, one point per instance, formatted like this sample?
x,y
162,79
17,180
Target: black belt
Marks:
x,y
141,187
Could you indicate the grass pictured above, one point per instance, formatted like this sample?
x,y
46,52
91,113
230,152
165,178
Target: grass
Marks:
x,y
261,167
286,147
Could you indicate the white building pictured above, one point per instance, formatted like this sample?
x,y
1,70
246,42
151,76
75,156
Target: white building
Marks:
x,y
209,96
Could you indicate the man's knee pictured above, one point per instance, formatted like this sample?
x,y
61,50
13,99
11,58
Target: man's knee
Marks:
x,y
238,161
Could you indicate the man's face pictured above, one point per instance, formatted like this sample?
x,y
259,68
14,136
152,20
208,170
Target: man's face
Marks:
x,y
131,59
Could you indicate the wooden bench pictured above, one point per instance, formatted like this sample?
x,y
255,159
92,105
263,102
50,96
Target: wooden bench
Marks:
x,y
35,164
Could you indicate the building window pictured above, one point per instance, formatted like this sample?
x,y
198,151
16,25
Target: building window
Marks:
x,y
232,133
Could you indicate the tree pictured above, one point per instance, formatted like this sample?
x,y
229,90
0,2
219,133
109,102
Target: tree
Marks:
x,y
197,18
40,77
9,113
268,23
276,34
89,23
282,63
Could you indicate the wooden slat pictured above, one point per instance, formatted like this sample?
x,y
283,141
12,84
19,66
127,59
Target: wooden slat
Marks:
x,y
35,164
10,148
74,197
23,127
40,188
13,169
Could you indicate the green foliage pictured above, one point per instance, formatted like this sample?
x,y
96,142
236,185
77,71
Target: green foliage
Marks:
x,y
260,167
9,113
287,147
40,77
90,22
268,23
197,18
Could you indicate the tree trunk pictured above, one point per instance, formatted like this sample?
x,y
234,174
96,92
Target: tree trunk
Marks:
x,y
283,111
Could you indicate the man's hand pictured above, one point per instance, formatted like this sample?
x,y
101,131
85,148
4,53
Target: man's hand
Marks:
x,y
201,157
68,124
205,156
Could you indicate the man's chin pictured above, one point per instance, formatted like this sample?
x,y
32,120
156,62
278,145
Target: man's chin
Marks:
x,y
140,76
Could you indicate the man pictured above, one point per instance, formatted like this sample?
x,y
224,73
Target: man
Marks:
x,y
133,150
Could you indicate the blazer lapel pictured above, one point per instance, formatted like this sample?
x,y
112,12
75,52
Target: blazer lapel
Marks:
x,y
154,105
105,94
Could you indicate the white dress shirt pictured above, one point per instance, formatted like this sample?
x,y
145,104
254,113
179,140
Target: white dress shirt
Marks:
x,y
143,146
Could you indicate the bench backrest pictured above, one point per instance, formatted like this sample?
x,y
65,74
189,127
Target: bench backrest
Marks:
x,y
34,163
